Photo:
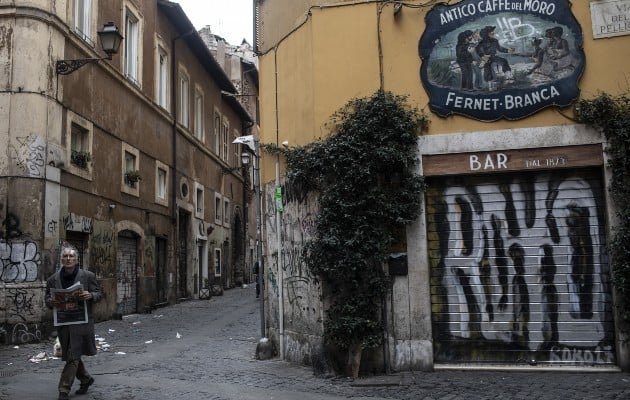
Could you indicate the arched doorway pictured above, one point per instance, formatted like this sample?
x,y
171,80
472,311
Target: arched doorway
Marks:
x,y
127,273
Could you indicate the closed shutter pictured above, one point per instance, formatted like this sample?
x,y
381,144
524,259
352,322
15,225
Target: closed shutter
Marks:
x,y
519,270
127,271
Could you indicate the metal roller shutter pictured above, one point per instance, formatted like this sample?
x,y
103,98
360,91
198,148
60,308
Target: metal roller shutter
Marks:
x,y
519,269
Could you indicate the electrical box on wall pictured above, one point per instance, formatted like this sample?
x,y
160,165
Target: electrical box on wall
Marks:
x,y
397,263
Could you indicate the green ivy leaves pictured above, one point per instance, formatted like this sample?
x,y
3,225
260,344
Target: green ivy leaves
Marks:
x,y
611,115
362,173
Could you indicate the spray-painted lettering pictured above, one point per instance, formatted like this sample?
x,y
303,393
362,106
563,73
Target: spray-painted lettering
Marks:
x,y
20,261
520,263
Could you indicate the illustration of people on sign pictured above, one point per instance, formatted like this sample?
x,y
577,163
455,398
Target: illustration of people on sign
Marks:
x,y
538,55
500,59
465,58
487,49
557,50
477,65
491,59
555,58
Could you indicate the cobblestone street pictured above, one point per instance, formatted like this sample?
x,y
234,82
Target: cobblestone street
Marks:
x,y
205,350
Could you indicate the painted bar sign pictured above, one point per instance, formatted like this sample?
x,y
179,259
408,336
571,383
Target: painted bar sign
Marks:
x,y
493,59
548,158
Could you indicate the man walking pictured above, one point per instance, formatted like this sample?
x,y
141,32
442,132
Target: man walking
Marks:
x,y
76,336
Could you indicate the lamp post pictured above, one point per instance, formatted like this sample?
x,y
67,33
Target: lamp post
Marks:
x,y
110,43
252,143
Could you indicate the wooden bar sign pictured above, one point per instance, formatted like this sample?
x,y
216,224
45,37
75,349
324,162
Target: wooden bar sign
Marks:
x,y
512,160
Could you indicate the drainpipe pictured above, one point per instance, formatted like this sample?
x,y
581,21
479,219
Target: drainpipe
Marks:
x,y
174,172
174,155
279,223
259,257
280,266
255,23
245,127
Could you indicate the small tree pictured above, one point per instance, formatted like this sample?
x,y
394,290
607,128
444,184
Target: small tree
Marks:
x,y
367,193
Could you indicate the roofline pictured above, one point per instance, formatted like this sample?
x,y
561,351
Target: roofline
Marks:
x,y
242,112
251,70
188,33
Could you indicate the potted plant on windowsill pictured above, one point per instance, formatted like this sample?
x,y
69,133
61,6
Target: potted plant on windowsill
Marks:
x,y
132,177
80,158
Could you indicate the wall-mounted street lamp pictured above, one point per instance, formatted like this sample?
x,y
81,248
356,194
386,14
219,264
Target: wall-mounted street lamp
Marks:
x,y
245,158
110,43
244,162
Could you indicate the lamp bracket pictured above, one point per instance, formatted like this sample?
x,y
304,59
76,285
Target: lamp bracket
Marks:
x,y
226,171
66,67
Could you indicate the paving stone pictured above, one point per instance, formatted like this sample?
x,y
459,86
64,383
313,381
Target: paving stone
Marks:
x,y
205,349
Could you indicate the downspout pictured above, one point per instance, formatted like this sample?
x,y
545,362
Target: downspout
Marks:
x,y
279,220
174,172
381,75
245,126
255,23
174,155
259,256
380,46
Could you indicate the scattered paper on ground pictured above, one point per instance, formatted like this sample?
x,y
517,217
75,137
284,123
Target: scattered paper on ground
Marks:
x,y
43,356
101,344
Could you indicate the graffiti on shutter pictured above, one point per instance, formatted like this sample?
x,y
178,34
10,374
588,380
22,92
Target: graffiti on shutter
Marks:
x,y
519,270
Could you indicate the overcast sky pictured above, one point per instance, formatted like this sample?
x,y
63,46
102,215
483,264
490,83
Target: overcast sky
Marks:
x,y
230,19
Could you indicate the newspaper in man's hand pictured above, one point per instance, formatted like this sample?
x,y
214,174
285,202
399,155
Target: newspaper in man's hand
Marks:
x,y
70,308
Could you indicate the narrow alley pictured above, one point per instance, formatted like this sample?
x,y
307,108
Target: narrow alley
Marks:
x,y
204,349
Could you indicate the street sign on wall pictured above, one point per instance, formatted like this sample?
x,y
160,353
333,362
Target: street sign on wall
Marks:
x,y
492,59
610,18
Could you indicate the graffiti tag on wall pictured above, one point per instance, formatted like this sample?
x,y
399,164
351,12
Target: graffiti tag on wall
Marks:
x,y
21,333
20,261
521,265
301,291
28,155
101,251
78,223
24,304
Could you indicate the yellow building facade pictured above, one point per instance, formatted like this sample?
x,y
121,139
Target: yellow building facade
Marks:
x,y
492,262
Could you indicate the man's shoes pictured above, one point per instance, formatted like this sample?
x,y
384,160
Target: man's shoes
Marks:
x,y
84,387
63,396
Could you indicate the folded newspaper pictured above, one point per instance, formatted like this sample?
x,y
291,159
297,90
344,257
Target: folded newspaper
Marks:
x,y
70,309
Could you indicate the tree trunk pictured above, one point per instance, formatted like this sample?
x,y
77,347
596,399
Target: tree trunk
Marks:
x,y
354,360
